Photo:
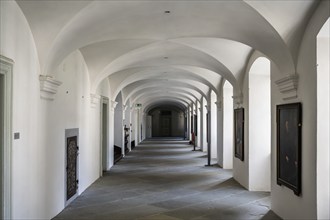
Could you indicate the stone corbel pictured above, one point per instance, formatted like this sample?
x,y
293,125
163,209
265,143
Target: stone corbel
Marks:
x,y
95,99
207,108
219,105
124,108
113,105
238,100
48,87
288,86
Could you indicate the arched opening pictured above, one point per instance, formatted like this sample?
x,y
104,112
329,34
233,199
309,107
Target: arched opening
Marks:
x,y
119,149
198,125
127,126
104,135
259,125
204,125
166,121
213,124
228,126
323,121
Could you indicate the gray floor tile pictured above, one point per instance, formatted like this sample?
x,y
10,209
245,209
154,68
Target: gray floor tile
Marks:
x,y
167,181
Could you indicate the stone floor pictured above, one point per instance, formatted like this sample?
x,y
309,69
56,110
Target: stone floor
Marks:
x,y
165,179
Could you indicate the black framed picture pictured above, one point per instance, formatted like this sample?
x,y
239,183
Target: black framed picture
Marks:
x,y
288,119
207,127
195,125
239,133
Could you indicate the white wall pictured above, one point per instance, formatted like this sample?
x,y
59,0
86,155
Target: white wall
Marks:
x,y
228,131
72,109
283,200
28,196
323,121
39,155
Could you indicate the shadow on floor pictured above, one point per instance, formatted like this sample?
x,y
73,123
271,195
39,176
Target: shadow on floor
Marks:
x,y
270,216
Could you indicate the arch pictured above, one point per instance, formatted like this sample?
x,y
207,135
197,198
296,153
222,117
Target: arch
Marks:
x,y
153,54
166,121
143,84
181,97
259,124
228,127
172,103
264,38
158,100
152,87
190,83
143,92
122,78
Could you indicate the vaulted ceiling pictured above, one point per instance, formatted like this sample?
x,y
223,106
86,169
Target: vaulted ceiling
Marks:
x,y
169,51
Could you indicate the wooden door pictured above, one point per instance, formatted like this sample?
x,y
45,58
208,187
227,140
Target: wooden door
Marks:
x,y
165,126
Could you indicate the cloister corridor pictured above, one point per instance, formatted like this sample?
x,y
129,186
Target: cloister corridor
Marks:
x,y
165,179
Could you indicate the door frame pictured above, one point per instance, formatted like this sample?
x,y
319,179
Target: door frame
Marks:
x,y
6,69
104,100
70,133
162,118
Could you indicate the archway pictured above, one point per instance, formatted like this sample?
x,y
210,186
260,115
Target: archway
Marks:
x,y
323,121
104,135
213,125
119,149
259,125
204,125
167,121
228,124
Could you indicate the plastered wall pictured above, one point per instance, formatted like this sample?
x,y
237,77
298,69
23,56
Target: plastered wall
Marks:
x,y
38,169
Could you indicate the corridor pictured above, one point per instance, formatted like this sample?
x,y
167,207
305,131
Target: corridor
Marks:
x,y
165,179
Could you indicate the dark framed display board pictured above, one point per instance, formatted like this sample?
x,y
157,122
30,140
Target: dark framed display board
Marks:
x,y
288,122
239,133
